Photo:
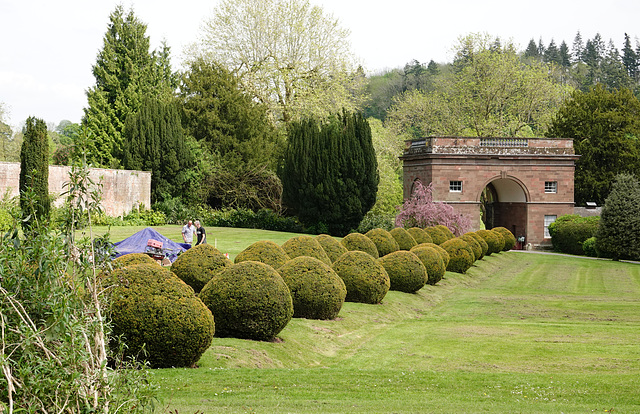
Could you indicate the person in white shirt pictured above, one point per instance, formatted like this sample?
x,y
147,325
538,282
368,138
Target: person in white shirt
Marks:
x,y
188,230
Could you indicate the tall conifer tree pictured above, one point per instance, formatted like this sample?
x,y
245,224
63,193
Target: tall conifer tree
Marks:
x,y
34,172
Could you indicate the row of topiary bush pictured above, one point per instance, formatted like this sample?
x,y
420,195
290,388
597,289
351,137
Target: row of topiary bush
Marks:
x,y
162,312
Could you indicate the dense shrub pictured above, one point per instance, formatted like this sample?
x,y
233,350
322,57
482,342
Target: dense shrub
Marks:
x,y
332,247
305,246
443,253
475,246
436,235
133,258
419,235
373,220
365,279
136,217
483,244
264,251
589,247
384,241
404,239
249,300
151,309
406,272
358,241
432,261
493,240
199,264
445,230
509,238
6,220
317,291
569,232
460,254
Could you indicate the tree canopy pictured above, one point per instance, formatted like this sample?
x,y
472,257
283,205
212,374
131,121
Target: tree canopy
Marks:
x,y
605,127
289,55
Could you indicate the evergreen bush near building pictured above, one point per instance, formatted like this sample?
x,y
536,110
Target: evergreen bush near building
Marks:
x,y
249,300
569,232
158,317
358,241
483,244
366,280
432,261
199,264
419,235
264,251
331,246
436,235
475,246
494,242
384,241
443,253
305,246
508,237
317,291
445,230
34,173
404,239
406,271
461,255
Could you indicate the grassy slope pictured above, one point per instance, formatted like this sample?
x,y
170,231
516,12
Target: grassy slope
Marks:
x,y
519,333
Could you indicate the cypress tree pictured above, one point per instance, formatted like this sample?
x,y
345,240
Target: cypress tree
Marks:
x,y
34,173
618,235
329,175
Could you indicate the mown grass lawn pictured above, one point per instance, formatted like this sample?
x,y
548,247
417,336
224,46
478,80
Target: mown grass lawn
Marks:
x,y
519,333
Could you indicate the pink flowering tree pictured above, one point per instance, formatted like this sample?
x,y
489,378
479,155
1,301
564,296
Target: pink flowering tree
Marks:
x,y
421,211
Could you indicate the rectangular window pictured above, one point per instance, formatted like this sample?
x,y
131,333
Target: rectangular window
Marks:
x,y
550,186
455,186
548,220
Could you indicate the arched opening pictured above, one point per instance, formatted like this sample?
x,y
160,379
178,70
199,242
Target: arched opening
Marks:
x,y
503,203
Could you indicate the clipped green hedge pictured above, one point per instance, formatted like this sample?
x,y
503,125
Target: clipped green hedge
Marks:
x,y
305,246
446,231
569,232
509,238
365,279
436,235
483,244
461,255
406,271
249,300
358,241
589,247
150,308
443,253
316,290
419,235
404,239
264,251
432,261
331,246
475,246
133,258
494,242
384,241
199,264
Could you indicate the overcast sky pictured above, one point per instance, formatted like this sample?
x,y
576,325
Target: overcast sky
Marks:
x,y
47,47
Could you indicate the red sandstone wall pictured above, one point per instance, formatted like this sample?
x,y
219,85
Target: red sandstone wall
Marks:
x,y
122,190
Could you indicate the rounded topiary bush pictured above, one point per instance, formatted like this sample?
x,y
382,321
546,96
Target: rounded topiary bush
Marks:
x,y
150,308
436,235
446,231
483,244
249,300
494,243
419,235
199,264
432,261
475,246
358,241
443,252
331,246
404,239
509,238
316,290
589,247
461,255
406,272
133,258
384,241
305,246
264,251
365,279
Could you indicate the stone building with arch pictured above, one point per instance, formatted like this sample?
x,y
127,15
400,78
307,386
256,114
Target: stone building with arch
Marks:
x,y
522,184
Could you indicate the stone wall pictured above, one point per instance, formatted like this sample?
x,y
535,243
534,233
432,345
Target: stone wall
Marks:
x,y
122,190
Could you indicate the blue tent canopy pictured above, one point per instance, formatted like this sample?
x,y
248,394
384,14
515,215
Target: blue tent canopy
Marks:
x,y
137,243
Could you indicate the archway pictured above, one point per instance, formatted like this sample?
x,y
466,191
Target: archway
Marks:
x,y
503,203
